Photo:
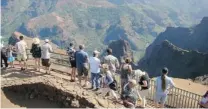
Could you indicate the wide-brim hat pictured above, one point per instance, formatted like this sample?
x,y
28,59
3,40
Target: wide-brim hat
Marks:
x,y
36,41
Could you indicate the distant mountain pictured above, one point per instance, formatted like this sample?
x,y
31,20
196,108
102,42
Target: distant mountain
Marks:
x,y
183,50
97,22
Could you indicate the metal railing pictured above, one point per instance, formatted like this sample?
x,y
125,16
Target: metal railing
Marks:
x,y
177,98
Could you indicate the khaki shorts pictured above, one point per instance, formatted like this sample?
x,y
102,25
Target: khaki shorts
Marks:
x,y
21,57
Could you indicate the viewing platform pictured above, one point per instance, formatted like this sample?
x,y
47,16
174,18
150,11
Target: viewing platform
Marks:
x,y
57,88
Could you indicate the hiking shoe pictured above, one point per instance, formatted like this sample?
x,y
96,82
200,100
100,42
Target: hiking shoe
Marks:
x,y
96,89
72,80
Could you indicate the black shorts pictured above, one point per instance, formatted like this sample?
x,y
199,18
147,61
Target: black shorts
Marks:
x,y
46,62
73,64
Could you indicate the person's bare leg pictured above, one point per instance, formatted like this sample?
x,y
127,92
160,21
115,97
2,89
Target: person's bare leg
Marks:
x,y
71,73
74,73
85,79
25,64
12,64
39,64
80,80
20,63
162,106
49,69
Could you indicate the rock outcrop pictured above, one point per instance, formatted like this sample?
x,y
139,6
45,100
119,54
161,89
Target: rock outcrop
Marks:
x,y
121,49
181,63
184,52
56,90
202,79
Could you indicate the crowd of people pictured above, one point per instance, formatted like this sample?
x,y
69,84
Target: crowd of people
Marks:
x,y
20,50
134,84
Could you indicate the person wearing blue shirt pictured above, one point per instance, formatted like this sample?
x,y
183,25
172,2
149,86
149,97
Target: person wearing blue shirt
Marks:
x,y
82,64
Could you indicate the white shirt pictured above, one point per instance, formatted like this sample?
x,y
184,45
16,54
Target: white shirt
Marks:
x,y
94,65
46,50
21,47
169,83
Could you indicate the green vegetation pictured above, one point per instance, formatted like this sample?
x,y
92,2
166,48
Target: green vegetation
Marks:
x,y
96,24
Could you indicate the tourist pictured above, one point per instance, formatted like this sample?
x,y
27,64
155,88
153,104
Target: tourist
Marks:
x,y
163,85
110,86
204,102
36,52
71,52
126,70
144,84
82,64
95,70
46,50
111,61
130,94
3,57
10,56
21,47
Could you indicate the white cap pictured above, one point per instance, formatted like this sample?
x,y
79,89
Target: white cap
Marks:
x,y
96,52
46,40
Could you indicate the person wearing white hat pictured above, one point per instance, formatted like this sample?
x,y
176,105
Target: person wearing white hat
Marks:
x,y
95,70
36,52
46,50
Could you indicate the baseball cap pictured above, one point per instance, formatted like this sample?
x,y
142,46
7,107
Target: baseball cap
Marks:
x,y
96,52
46,40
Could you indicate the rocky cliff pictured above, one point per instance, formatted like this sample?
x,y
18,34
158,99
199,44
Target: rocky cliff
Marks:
x,y
194,38
121,49
181,63
183,50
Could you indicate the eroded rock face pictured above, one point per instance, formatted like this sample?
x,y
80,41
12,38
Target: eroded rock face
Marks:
x,y
202,79
181,63
184,52
121,48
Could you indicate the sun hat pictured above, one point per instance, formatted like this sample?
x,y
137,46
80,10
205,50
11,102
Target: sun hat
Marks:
x,y
36,40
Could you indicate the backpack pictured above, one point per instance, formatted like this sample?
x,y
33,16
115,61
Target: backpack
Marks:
x,y
35,49
71,53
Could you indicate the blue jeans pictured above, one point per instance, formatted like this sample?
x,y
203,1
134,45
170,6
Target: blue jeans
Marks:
x,y
95,78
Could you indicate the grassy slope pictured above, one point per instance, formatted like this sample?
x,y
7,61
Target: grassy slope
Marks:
x,y
139,21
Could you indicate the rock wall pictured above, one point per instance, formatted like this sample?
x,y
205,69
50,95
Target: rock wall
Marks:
x,y
184,52
121,48
181,63
58,90
202,79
